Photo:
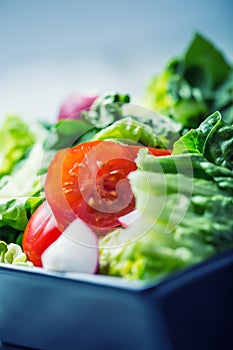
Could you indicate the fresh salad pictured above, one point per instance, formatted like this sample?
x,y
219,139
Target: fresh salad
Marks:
x,y
112,188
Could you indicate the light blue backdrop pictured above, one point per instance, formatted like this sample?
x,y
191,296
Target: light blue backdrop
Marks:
x,y
49,49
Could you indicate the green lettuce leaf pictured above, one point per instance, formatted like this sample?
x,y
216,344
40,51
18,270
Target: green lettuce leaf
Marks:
x,y
21,193
16,211
129,130
140,125
194,85
213,139
223,100
194,140
106,109
69,132
16,138
170,94
204,65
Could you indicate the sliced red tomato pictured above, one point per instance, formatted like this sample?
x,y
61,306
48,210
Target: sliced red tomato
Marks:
x,y
41,231
90,181
154,151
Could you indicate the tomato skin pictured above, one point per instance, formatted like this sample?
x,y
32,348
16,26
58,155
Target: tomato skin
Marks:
x,y
157,152
62,171
39,234
90,181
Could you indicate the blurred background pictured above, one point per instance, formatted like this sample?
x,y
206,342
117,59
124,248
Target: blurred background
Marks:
x,y
52,48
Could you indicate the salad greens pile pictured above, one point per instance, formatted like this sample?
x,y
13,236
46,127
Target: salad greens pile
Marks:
x,y
185,204
184,201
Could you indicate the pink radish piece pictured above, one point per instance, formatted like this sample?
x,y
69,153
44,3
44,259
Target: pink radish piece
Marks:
x,y
74,105
129,218
76,250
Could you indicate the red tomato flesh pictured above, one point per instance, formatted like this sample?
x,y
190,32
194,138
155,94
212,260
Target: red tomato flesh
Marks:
x,y
90,181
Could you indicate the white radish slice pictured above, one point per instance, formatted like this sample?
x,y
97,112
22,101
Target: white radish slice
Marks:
x,y
76,250
129,218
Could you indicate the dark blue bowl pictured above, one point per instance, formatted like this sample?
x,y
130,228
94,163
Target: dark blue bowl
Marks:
x,y
190,310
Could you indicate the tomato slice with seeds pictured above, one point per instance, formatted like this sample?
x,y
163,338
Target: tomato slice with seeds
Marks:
x,y
90,181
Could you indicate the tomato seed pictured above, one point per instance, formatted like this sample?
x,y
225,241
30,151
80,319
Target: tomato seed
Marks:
x,y
73,174
66,191
91,201
68,183
113,193
99,163
114,172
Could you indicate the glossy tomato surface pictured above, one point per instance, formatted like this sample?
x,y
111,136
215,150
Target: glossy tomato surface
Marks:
x,y
41,231
90,181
